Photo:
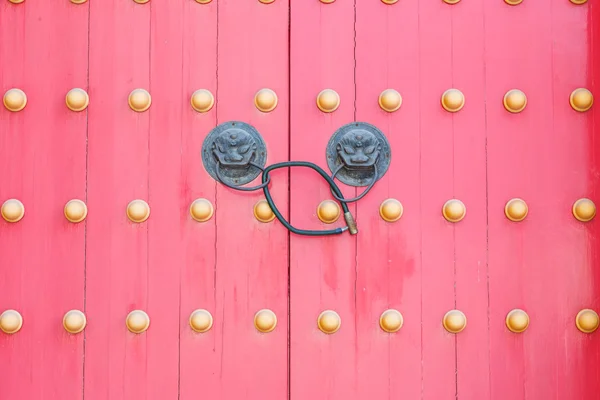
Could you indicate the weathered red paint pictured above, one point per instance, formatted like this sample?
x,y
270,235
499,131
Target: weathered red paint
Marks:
x,y
234,265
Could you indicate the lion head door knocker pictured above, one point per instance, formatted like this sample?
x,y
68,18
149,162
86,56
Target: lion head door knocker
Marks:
x,y
234,154
358,154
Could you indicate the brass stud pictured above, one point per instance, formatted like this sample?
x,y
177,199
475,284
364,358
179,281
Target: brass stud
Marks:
x,y
389,1
581,99
584,210
266,1
391,321
587,320
201,321
203,1
16,1
10,321
78,1
137,321
453,100
14,100
517,321
138,211
139,99
328,211
328,100
454,210
201,210
75,211
513,2
263,212
327,1
141,1
578,2
74,321
391,210
265,321
390,100
516,210
265,100
202,100
12,210
77,99
451,1
329,321
514,101
454,321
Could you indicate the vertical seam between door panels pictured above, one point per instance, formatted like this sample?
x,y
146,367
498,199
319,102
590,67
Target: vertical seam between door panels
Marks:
x,y
148,177
487,202
183,91
87,124
420,191
454,196
355,239
289,191
216,213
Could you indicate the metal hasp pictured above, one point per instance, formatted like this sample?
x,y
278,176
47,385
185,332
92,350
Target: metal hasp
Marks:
x,y
234,153
358,154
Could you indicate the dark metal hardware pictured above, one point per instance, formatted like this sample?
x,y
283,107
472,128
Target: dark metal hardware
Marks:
x,y
234,154
358,154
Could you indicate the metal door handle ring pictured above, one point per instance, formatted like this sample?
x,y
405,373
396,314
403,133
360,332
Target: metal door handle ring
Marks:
x,y
242,188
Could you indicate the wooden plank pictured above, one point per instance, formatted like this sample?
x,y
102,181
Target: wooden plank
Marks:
x,y
389,253
117,249
574,154
43,159
165,248
522,255
252,257
322,269
198,273
437,186
469,170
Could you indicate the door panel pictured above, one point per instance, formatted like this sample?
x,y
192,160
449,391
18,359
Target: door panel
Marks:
x,y
164,195
42,159
252,257
117,266
232,265
198,359
468,133
322,269
388,256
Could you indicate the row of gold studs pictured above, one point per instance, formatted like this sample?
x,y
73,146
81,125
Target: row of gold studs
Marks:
x,y
329,321
509,2
328,100
328,211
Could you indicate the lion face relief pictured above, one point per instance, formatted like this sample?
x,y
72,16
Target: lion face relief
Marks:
x,y
234,148
359,149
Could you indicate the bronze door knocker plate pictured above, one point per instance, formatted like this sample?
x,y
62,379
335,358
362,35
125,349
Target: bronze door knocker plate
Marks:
x,y
234,153
358,154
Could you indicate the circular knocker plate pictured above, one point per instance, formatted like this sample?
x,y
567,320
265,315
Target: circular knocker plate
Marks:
x,y
362,149
229,151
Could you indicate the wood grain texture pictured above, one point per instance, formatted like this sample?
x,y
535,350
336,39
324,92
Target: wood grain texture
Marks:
x,y
525,271
117,249
437,168
323,269
42,159
574,156
165,247
469,169
200,359
252,257
389,254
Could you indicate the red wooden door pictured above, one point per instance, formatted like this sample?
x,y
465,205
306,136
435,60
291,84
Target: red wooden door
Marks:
x,y
128,272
